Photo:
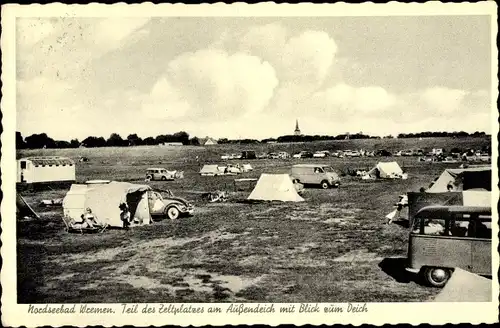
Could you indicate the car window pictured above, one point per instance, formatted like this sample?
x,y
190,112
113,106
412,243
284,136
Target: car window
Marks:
x,y
328,169
318,170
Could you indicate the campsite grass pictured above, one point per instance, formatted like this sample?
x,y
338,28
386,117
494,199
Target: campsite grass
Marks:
x,y
334,247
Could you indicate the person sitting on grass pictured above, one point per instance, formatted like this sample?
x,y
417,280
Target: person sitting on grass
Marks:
x,y
89,218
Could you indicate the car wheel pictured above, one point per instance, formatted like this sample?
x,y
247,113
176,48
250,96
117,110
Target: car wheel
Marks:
x,y
173,213
163,178
149,178
436,277
324,184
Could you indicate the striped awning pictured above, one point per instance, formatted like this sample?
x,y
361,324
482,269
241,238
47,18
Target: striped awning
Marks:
x,y
50,160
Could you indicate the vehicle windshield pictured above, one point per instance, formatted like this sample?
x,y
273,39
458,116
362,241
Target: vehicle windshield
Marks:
x,y
327,169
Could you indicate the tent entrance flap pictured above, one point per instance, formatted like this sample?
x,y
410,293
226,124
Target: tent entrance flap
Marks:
x,y
139,207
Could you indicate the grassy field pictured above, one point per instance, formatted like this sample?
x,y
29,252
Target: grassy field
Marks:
x,y
334,247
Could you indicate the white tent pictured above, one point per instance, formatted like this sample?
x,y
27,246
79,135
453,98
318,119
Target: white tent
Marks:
x,y
104,201
384,170
210,170
275,187
464,286
247,167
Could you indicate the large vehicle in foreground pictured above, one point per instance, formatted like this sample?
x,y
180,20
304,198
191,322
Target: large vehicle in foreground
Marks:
x,y
446,237
316,174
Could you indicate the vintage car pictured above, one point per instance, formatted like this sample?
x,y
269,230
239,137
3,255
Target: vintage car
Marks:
x,y
170,207
321,154
162,174
303,154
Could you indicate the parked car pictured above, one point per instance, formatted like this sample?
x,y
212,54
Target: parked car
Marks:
x,y
316,174
303,154
262,156
418,152
337,153
273,155
283,155
170,207
225,156
383,152
162,174
235,156
355,153
321,154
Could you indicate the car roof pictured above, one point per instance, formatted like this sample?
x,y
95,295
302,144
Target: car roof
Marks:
x,y
436,210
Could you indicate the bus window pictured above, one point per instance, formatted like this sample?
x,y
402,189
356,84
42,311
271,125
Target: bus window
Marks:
x,y
425,226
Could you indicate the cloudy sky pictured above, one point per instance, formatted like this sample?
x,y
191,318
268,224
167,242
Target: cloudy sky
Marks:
x,y
252,77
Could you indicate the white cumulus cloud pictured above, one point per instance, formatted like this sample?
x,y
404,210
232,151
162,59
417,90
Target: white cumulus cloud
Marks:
x,y
212,84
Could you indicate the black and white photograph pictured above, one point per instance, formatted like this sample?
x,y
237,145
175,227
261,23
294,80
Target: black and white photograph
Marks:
x,y
325,162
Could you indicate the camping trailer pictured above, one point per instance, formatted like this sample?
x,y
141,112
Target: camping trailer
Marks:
x,y
45,169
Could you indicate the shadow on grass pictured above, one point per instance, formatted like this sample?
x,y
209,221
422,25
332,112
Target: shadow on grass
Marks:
x,y
403,223
395,267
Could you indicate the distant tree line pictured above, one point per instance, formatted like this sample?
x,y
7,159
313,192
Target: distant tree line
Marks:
x,y
42,140
427,134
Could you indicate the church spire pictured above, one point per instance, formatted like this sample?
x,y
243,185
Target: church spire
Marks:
x,y
297,129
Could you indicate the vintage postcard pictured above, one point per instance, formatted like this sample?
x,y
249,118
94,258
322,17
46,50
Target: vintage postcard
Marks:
x,y
249,164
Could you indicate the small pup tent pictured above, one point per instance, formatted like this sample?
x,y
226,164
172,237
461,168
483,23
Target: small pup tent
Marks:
x,y
210,170
463,179
23,209
45,169
104,201
247,167
464,286
386,170
275,187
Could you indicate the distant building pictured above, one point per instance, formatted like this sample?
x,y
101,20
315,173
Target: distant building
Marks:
x,y
208,141
297,129
170,144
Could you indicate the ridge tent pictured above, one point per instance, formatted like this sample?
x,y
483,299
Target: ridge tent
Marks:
x,y
104,201
275,187
464,286
385,170
23,209
210,170
463,179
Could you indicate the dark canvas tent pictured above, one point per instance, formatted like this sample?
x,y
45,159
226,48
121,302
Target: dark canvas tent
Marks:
x,y
23,209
